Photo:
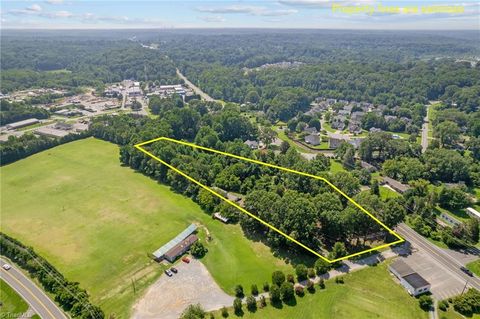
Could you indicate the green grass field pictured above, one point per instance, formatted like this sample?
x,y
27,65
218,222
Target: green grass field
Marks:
x,y
368,293
452,314
474,266
97,222
386,192
13,306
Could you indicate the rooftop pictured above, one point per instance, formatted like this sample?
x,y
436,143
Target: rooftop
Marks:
x,y
416,281
172,243
401,268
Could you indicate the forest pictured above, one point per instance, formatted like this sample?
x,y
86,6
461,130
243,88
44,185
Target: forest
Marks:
x,y
401,70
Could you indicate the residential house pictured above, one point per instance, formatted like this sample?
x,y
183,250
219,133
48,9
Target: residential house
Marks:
x,y
473,212
354,127
369,167
396,185
311,130
338,122
357,116
312,139
252,144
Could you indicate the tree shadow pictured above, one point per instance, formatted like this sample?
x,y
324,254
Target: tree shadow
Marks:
x,y
239,313
292,302
277,304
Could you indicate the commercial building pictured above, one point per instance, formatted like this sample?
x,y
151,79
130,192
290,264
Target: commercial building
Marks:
x,y
412,281
51,132
177,246
19,124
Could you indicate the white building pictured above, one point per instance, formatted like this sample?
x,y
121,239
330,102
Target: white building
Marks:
x,y
412,281
473,212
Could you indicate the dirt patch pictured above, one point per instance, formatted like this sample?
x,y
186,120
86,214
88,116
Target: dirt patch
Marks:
x,y
169,296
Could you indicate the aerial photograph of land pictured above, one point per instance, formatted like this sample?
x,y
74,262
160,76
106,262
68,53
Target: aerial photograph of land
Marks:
x,y
282,159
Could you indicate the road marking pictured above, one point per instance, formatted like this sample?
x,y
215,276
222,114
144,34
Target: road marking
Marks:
x,y
31,293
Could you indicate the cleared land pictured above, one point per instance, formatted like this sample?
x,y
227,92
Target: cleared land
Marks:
x,y
369,293
12,306
96,222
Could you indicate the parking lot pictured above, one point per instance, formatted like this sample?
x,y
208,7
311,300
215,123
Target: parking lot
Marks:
x,y
169,296
444,283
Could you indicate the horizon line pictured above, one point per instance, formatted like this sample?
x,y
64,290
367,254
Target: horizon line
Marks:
x,y
224,28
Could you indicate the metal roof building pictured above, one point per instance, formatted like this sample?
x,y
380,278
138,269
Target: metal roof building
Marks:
x,y
23,123
411,280
159,253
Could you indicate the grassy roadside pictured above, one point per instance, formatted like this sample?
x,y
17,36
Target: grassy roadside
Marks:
x,y
367,293
11,303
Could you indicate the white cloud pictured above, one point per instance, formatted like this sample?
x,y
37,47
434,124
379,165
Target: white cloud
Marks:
x,y
212,19
62,14
251,10
34,8
322,3
54,1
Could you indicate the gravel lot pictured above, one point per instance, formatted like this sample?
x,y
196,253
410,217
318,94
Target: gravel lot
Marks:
x,y
169,296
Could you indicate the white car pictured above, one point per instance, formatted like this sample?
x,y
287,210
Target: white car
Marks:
x,y
6,266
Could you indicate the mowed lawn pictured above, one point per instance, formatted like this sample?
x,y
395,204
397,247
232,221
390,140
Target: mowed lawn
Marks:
x,y
97,222
13,306
368,293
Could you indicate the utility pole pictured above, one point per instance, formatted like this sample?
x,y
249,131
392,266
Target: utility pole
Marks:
x,y
465,287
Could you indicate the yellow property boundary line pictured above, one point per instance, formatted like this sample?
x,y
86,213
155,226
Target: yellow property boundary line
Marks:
x,y
139,147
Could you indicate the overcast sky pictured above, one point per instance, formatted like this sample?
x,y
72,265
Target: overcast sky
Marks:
x,y
109,14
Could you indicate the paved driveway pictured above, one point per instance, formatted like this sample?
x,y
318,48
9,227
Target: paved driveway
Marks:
x,y
444,283
169,296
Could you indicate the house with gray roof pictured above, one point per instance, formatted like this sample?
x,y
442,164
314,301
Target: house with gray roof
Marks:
x,y
312,139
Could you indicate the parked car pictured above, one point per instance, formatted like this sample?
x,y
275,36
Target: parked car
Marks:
x,y
174,270
186,260
6,266
168,273
467,271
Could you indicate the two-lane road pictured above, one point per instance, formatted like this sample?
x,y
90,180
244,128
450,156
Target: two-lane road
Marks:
x,y
439,255
195,88
425,131
33,295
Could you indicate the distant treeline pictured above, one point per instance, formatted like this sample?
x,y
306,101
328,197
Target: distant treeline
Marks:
x,y
14,112
16,148
67,294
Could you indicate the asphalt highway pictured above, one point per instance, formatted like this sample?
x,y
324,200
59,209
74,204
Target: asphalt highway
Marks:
x,y
31,293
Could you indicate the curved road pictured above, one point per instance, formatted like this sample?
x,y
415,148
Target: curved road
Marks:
x,y
31,293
